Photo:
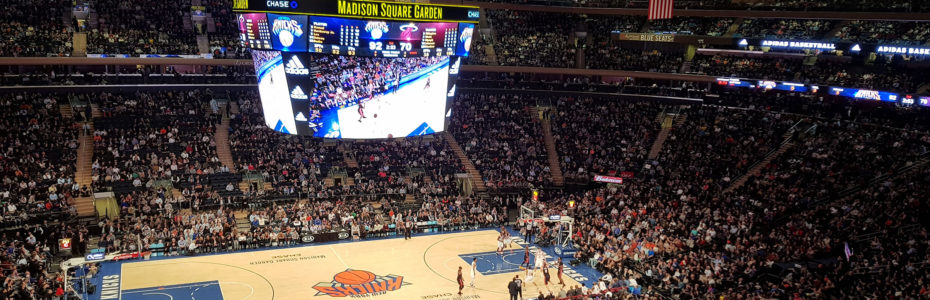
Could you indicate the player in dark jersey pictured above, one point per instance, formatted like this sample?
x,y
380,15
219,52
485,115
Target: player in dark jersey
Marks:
x,y
461,281
526,257
546,275
361,110
560,272
427,83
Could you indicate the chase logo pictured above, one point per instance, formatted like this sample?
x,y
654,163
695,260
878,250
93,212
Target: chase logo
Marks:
x,y
359,283
281,4
287,30
473,14
298,94
295,67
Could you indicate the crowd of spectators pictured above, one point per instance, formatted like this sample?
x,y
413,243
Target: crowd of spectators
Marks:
x,y
224,41
35,28
669,230
615,57
36,194
603,137
37,160
133,151
881,75
717,144
424,167
142,27
748,67
342,81
672,235
807,29
501,134
885,32
526,38
29,252
692,26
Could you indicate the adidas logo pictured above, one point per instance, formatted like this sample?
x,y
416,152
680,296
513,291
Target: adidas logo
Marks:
x,y
300,117
295,67
451,92
455,66
298,94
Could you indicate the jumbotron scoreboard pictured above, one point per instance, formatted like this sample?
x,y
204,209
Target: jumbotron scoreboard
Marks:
x,y
356,69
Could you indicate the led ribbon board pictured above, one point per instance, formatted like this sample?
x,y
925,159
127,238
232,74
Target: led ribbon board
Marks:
x,y
382,10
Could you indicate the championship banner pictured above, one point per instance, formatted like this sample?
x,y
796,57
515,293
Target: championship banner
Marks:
x,y
386,10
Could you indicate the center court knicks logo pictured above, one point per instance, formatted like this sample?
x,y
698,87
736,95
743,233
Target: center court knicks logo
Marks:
x,y
359,283
295,67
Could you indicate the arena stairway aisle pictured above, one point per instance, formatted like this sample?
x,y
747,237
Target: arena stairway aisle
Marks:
x,y
350,161
95,111
663,135
837,27
734,28
773,154
242,221
555,169
221,136
84,170
66,111
485,26
473,174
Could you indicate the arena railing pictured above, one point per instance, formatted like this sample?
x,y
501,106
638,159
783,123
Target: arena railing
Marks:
x,y
597,95
15,222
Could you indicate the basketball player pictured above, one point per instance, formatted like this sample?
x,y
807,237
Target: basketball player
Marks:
x,y
546,275
540,259
361,111
500,244
474,269
461,281
526,258
426,87
506,238
560,272
529,276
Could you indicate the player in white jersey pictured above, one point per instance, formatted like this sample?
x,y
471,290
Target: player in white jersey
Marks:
x,y
474,269
500,244
529,276
508,240
540,260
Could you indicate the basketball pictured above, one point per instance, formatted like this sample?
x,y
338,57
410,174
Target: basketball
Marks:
x,y
286,38
354,277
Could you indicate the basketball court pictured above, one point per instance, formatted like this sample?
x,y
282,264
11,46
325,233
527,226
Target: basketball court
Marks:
x,y
424,267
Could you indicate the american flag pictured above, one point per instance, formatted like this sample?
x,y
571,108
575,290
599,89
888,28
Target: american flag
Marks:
x,y
660,9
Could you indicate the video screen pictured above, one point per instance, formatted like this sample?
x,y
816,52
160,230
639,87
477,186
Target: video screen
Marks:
x,y
253,31
354,97
289,32
272,88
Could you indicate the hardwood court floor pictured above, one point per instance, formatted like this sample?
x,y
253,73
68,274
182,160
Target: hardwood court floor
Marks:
x,y
422,268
